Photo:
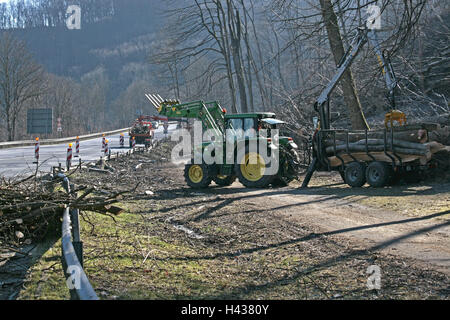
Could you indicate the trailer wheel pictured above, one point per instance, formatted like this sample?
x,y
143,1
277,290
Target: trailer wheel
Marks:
x,y
224,181
378,174
253,175
197,175
354,174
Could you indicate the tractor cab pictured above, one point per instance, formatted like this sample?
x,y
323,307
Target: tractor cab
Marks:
x,y
247,125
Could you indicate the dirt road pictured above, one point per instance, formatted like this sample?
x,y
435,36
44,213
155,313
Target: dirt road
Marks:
x,y
328,212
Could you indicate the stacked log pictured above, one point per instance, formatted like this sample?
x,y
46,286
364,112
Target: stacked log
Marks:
x,y
409,143
372,145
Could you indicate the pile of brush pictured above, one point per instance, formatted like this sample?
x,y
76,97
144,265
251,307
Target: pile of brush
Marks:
x,y
31,207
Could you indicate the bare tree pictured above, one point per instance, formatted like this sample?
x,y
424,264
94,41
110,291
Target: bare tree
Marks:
x,y
234,26
210,28
20,80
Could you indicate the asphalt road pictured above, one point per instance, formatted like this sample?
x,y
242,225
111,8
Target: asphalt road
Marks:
x,y
19,161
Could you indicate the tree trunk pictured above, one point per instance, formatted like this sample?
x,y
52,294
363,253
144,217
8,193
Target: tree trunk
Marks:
x,y
356,114
8,127
261,82
225,45
235,34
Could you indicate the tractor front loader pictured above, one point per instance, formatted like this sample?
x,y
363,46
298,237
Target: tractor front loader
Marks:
x,y
251,166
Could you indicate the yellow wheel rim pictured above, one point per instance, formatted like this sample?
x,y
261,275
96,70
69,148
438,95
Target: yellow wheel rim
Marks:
x,y
254,166
196,173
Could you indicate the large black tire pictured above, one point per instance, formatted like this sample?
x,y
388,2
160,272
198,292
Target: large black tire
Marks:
x,y
224,181
197,176
355,174
280,182
290,172
246,177
378,174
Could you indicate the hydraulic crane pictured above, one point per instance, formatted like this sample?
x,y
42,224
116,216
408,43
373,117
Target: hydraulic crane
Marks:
x,y
364,35
322,104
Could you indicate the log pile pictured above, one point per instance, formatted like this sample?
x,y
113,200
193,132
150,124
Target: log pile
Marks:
x,y
30,208
410,143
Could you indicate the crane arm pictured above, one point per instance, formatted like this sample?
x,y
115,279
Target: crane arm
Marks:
x,y
386,67
364,36
345,63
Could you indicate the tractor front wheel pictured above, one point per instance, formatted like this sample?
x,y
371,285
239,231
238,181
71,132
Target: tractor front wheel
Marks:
x,y
197,175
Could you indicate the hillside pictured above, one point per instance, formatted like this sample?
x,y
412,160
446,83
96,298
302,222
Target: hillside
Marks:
x,y
114,43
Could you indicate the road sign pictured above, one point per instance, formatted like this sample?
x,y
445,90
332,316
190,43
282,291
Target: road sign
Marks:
x,y
59,126
40,121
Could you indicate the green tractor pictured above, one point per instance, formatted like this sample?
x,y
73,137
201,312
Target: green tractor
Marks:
x,y
250,165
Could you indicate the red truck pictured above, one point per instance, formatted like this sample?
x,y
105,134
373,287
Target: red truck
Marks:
x,y
142,130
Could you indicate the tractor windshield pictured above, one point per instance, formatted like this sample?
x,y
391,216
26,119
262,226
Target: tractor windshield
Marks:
x,y
244,127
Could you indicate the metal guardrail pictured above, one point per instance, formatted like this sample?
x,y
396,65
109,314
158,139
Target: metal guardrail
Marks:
x,y
72,249
72,253
25,143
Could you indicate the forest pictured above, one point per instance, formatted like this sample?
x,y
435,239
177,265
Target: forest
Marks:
x,y
250,55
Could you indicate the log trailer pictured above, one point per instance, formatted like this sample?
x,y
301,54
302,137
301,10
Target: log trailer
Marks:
x,y
252,174
361,156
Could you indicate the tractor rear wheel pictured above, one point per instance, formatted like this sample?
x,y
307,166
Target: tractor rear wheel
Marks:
x,y
378,174
281,181
224,181
197,175
252,170
289,168
355,174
